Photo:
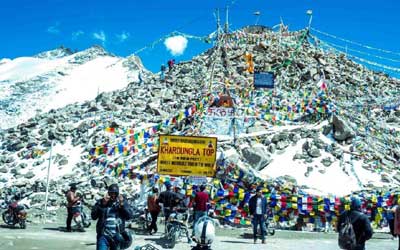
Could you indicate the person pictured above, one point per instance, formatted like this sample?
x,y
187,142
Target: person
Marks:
x,y
361,225
72,199
167,198
396,224
154,209
180,199
200,204
258,213
111,212
390,212
171,64
162,74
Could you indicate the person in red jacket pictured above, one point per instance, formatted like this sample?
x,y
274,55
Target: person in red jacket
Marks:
x,y
200,204
154,209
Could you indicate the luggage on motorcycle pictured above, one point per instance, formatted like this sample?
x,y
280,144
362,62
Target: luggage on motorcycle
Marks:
x,y
113,229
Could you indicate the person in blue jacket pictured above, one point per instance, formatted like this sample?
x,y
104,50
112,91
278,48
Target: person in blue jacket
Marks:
x,y
111,212
258,214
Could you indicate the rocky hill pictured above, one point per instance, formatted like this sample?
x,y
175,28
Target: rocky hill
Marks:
x,y
326,115
56,78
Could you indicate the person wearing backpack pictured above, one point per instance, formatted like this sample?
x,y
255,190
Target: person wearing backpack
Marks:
x,y
111,212
354,227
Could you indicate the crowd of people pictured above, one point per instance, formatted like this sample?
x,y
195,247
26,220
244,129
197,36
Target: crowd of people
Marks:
x,y
113,210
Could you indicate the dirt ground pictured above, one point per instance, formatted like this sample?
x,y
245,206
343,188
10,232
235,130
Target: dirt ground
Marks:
x,y
53,236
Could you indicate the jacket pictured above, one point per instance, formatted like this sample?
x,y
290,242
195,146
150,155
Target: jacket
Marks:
x,y
99,213
361,225
152,204
253,205
168,199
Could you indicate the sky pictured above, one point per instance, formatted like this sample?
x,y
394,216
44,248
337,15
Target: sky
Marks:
x,y
127,27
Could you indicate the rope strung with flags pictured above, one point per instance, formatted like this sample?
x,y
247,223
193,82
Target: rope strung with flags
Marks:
x,y
356,43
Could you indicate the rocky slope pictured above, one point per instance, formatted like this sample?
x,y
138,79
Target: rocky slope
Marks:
x,y
335,110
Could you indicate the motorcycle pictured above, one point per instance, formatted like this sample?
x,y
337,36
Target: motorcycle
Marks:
x,y
15,214
141,217
177,226
270,224
80,218
204,233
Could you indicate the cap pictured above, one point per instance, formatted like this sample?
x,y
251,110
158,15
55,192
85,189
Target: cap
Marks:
x,y
167,184
355,203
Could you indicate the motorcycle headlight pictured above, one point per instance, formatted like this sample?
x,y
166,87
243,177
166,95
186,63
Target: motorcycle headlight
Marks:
x,y
179,216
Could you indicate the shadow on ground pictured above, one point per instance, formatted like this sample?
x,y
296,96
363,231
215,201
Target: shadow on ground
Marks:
x,y
236,241
10,227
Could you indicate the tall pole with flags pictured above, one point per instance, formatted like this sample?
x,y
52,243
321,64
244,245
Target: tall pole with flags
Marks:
x,y
258,14
227,20
310,14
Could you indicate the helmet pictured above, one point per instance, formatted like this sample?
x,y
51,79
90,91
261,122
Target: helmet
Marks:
x,y
113,188
207,237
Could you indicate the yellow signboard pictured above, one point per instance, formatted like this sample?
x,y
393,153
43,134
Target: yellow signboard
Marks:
x,y
187,155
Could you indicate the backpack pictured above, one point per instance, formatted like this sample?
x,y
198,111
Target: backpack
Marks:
x,y
115,232
347,237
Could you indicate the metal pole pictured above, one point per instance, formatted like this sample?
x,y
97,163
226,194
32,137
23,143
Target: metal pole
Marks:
x,y
47,182
234,126
227,21
310,13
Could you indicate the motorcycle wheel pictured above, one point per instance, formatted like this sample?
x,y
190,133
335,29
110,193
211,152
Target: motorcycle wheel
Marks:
x,y
86,224
22,224
174,238
85,221
8,218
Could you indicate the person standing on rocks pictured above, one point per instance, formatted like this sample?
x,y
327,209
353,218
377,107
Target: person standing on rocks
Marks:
x,y
162,74
171,64
258,214
72,199
111,212
154,209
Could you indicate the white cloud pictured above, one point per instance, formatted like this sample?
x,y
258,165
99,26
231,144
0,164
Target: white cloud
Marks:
x,y
123,36
176,45
100,36
54,29
76,34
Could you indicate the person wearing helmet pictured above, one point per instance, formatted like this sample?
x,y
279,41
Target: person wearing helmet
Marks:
x,y
71,200
111,212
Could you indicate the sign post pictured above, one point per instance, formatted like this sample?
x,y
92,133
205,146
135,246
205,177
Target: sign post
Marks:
x,y
187,155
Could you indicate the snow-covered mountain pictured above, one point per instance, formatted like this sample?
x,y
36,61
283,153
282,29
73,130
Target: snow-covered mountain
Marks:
x,y
56,78
329,125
